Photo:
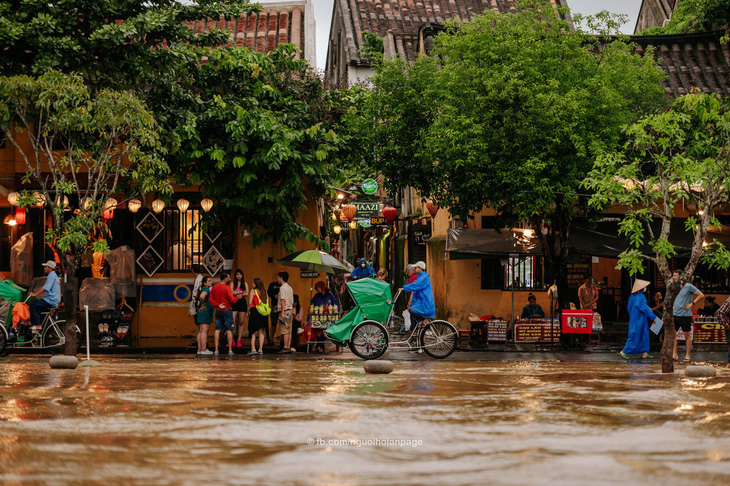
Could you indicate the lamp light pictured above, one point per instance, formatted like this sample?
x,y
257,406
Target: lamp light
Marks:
x,y
334,217
40,199
13,198
20,215
528,233
86,203
183,204
340,196
206,204
389,213
134,204
108,213
111,203
158,205
353,225
337,229
10,220
62,202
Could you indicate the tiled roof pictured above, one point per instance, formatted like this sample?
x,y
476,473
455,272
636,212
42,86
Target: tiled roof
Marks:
x,y
698,60
263,31
404,17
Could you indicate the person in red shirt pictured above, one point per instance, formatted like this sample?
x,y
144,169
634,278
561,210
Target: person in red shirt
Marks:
x,y
222,298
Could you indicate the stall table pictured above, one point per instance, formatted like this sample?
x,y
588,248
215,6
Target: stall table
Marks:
x,y
321,322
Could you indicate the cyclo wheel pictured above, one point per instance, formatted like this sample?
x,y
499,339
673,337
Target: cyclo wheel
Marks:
x,y
368,340
53,337
3,339
439,339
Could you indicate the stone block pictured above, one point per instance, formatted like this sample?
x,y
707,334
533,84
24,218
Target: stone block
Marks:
x,y
378,366
64,362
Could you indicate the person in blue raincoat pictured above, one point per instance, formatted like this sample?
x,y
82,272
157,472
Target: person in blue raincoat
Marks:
x,y
422,305
363,270
639,312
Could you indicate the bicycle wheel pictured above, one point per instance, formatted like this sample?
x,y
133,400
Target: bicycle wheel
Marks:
x,y
53,338
439,339
3,339
368,340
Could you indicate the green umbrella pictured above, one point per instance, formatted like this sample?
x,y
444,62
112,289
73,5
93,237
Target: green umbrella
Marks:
x,y
315,261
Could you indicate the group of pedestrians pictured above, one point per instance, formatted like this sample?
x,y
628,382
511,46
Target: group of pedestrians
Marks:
x,y
228,303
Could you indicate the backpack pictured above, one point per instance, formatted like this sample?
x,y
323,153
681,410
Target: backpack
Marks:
x,y
262,307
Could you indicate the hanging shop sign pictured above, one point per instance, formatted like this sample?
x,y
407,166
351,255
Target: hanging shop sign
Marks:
x,y
369,186
367,210
577,271
379,221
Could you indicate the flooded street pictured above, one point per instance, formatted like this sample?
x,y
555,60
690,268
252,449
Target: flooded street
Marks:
x,y
178,420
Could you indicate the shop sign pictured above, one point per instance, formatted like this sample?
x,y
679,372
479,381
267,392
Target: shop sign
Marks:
x,y
367,210
577,321
537,332
369,186
365,223
577,272
497,330
379,221
308,274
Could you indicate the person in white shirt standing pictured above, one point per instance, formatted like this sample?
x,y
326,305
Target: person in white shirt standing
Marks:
x,y
286,304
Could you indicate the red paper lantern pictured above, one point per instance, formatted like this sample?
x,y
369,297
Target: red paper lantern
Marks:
x,y
389,213
108,213
20,215
432,208
348,212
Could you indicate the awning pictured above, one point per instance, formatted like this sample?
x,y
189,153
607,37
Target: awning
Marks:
x,y
604,241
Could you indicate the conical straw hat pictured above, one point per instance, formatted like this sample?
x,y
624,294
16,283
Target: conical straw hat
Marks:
x,y
639,284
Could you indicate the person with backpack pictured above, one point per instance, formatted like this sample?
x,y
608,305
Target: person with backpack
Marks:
x,y
258,319
203,315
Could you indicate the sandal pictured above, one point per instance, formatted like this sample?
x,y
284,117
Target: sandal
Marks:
x,y
648,356
622,355
686,360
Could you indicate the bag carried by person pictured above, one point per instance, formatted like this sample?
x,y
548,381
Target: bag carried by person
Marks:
x,y
262,307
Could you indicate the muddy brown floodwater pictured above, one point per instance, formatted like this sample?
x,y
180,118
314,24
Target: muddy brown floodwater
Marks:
x,y
289,421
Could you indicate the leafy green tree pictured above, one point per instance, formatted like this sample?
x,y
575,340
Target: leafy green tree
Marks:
x,y
681,155
254,130
258,140
83,145
509,113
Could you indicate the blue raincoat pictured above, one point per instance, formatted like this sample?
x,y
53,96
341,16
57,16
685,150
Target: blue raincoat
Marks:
x,y
423,302
639,312
361,272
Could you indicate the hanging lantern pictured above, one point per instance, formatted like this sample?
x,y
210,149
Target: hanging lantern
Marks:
x,y
349,211
20,215
134,204
182,205
13,198
338,214
337,229
206,204
86,203
334,217
432,208
62,202
40,199
158,205
10,220
353,225
108,213
389,213
110,203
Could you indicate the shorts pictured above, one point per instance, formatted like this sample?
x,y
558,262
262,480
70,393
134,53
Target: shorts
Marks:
x,y
683,322
240,305
285,321
223,319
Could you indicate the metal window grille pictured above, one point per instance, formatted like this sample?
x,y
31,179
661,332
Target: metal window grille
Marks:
x,y
183,240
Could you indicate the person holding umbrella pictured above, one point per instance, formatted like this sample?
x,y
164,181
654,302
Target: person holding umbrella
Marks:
x,y
639,312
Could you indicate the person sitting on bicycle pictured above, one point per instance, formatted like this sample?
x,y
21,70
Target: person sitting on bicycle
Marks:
x,y
49,296
422,304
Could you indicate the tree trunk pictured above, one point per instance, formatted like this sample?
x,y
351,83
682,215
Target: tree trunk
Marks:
x,y
69,308
669,331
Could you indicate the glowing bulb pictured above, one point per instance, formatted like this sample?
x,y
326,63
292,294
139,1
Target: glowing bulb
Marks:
x,y
337,229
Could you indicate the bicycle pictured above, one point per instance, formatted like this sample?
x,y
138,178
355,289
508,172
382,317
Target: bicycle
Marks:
x,y
49,336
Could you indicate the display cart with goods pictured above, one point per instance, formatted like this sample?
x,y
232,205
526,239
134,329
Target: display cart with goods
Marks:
x,y
363,329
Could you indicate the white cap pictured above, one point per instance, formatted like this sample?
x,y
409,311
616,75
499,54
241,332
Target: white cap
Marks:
x,y
50,263
421,265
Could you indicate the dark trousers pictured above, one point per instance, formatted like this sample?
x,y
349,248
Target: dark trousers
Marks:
x,y
36,309
727,338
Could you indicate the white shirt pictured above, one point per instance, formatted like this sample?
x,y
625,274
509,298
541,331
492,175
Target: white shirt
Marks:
x,y
286,293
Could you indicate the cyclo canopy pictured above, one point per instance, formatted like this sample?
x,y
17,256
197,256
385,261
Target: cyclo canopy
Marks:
x,y
374,302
